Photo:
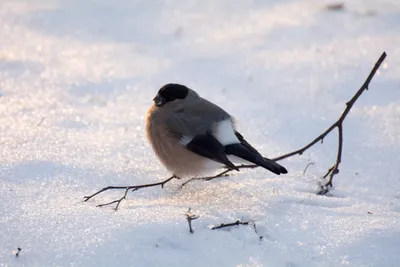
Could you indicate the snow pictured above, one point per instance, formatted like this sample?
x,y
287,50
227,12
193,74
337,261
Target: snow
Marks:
x,y
76,78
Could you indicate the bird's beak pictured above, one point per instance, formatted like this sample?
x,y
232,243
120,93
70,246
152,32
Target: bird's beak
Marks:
x,y
159,100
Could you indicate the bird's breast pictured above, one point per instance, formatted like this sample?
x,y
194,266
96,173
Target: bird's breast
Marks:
x,y
170,151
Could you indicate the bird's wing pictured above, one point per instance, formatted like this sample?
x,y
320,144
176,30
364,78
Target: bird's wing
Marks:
x,y
245,151
207,146
196,136
187,125
194,125
245,143
197,118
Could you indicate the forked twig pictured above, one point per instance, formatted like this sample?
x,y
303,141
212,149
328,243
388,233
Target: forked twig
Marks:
x,y
126,188
338,124
190,217
332,171
208,178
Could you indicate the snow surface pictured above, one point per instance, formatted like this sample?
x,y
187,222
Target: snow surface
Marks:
x,y
76,78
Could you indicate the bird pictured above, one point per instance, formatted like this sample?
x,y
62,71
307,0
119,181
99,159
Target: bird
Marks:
x,y
188,133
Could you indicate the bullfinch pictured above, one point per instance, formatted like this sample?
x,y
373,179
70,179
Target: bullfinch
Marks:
x,y
188,132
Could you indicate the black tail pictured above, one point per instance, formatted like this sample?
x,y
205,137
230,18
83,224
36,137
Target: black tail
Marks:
x,y
245,153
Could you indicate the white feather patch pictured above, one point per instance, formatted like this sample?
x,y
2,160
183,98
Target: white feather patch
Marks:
x,y
185,140
224,133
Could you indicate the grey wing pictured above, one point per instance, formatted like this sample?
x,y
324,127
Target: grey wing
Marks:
x,y
197,118
187,125
209,110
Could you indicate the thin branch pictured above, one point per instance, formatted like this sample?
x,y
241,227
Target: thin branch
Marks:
x,y
328,172
118,201
335,169
18,251
41,121
221,174
190,217
337,124
238,222
331,172
208,178
260,237
126,188
308,165
224,225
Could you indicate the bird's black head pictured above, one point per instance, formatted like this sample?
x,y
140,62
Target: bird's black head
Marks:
x,y
169,93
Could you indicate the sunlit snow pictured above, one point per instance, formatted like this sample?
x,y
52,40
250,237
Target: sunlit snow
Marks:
x,y
77,77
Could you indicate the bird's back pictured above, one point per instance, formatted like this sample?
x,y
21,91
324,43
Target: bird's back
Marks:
x,y
196,118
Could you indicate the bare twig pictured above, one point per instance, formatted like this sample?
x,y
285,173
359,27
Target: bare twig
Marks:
x,y
308,165
330,174
208,178
18,251
117,201
338,124
190,217
126,188
224,173
260,237
41,121
223,225
238,222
